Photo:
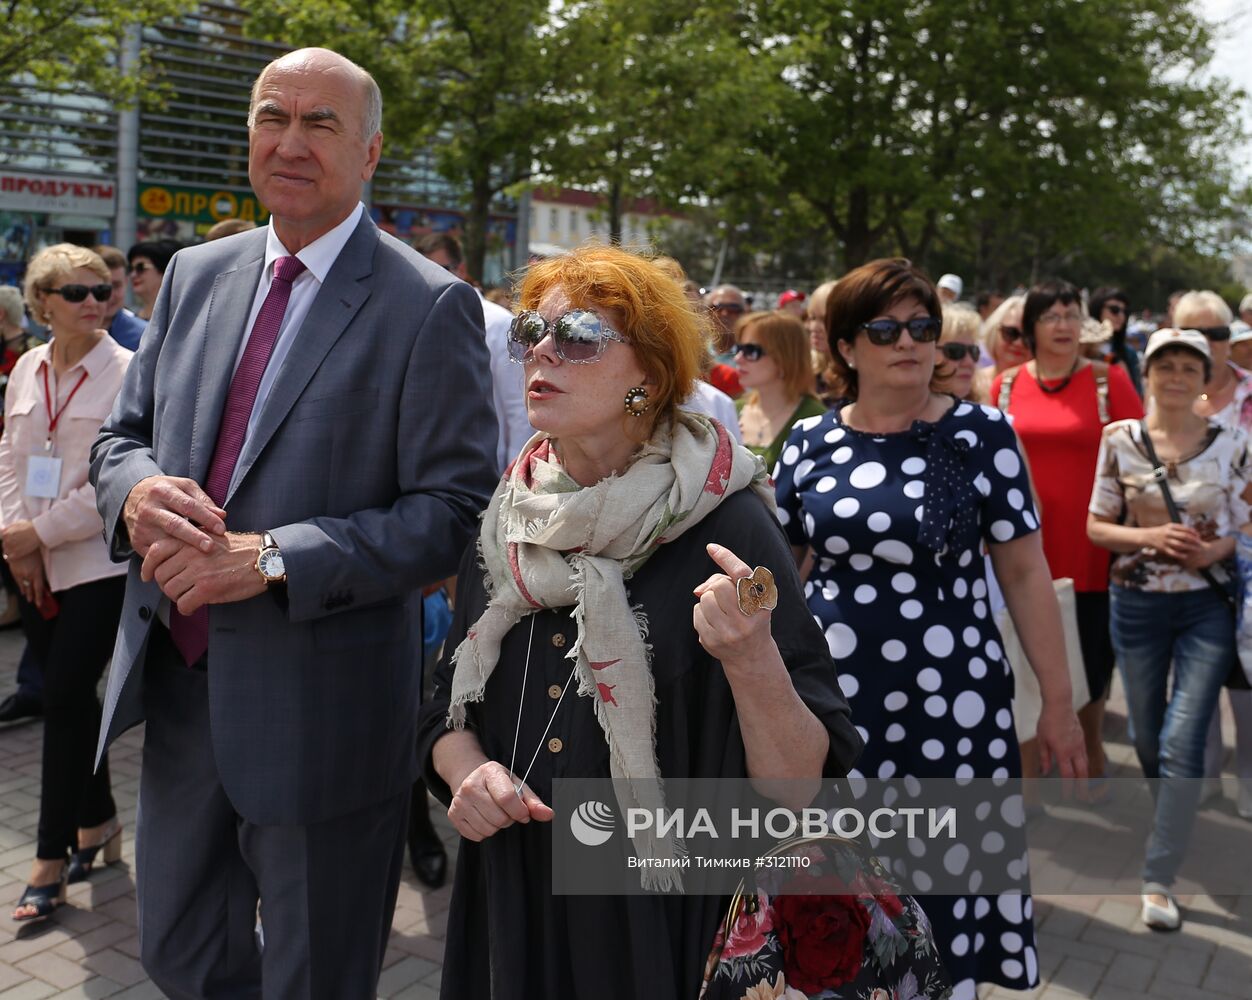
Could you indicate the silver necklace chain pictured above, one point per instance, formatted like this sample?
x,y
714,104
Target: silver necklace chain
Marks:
x,y
517,789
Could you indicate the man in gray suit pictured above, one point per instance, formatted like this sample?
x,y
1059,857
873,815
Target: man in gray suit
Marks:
x,y
323,392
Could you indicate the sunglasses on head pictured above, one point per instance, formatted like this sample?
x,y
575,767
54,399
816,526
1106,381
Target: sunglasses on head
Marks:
x,y
955,351
884,332
578,335
750,352
1218,333
1011,334
79,293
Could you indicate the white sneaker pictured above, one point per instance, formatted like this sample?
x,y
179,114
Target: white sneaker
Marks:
x,y
1158,917
1243,804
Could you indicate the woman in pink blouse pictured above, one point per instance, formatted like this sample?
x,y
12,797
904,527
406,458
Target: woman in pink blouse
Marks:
x,y
71,592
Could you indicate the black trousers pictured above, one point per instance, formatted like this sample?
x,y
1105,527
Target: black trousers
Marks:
x,y
73,649
327,890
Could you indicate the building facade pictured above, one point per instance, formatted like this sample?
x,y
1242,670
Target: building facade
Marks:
x,y
75,168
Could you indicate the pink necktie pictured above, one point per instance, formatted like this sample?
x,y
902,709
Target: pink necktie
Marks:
x,y
191,632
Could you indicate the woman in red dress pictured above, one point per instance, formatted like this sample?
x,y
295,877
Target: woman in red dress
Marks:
x,y
1060,403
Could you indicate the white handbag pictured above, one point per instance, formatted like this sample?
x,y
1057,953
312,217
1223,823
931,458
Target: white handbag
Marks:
x,y
1027,701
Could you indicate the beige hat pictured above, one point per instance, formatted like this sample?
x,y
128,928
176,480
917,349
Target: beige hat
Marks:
x,y
1095,331
1192,340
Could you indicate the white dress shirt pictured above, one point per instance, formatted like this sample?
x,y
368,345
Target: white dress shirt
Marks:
x,y
712,402
318,258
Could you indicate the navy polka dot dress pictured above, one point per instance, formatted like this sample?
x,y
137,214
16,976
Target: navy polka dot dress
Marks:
x,y
897,522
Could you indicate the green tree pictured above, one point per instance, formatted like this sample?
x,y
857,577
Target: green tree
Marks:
x,y
663,91
993,134
475,80
58,43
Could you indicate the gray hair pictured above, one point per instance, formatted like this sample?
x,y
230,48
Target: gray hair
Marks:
x,y
11,305
372,113
1206,301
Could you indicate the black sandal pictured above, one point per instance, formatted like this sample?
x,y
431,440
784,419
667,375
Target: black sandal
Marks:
x,y
44,898
81,862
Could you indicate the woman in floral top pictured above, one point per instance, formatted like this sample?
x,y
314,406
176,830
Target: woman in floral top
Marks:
x,y
1163,606
1227,399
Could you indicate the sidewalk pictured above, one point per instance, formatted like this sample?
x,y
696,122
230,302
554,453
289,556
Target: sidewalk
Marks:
x,y
1089,946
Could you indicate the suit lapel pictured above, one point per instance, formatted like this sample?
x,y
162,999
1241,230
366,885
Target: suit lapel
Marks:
x,y
233,292
342,294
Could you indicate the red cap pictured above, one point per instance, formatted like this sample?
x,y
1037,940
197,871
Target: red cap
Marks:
x,y
790,295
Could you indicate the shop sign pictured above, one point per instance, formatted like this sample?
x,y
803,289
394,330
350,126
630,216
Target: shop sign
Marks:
x,y
30,192
196,204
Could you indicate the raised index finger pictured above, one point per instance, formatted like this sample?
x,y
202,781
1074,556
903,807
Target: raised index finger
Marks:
x,y
730,564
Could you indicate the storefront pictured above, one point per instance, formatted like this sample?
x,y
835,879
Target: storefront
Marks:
x,y
39,209
179,212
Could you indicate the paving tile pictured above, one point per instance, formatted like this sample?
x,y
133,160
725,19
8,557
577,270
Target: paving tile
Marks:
x,y
1129,972
1080,975
404,973
146,990
122,969
1183,966
90,989
32,989
52,968
11,976
102,937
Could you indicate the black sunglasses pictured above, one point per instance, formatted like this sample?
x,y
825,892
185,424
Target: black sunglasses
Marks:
x,y
884,332
733,307
1010,334
141,267
1115,308
750,352
79,293
579,336
1218,333
955,351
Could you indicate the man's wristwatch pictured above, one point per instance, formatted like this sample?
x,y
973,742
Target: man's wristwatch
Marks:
x,y
269,562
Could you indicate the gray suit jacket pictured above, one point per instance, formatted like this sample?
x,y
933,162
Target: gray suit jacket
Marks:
x,y
370,464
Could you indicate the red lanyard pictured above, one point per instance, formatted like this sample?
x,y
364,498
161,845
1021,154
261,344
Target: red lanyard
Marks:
x,y
47,395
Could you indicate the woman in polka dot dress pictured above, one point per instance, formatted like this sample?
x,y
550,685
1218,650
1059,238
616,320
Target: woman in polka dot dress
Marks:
x,y
894,492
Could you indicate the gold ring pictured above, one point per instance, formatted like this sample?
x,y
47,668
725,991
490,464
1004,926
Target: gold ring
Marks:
x,y
756,592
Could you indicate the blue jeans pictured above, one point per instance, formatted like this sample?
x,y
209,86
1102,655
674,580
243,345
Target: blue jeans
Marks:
x,y
1193,630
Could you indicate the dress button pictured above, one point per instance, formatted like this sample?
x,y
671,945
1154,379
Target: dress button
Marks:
x,y
555,745
554,692
145,613
558,640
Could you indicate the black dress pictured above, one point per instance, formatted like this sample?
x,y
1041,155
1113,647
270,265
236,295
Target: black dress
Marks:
x,y
509,937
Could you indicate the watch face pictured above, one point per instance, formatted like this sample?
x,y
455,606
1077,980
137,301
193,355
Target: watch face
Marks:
x,y
271,564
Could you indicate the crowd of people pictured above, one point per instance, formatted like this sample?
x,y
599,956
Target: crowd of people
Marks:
x,y
902,472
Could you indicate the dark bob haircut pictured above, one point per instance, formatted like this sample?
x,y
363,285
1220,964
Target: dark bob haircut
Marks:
x,y
157,251
1040,299
866,293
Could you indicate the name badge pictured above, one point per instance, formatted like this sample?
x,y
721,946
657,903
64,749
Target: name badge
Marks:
x,y
43,477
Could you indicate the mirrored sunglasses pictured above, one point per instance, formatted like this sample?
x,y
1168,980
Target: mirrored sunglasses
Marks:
x,y
750,352
578,335
955,351
884,332
79,293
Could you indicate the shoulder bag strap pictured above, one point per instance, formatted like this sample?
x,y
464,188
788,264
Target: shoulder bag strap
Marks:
x,y
1100,369
1006,389
1161,477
